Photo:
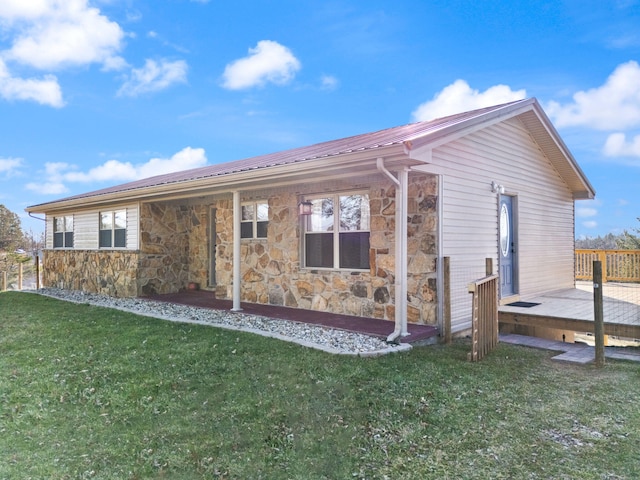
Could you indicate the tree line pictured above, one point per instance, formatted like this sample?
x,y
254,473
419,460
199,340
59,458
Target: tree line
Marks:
x,y
627,240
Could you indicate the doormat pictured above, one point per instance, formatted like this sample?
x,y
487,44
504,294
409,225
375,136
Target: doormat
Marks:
x,y
522,304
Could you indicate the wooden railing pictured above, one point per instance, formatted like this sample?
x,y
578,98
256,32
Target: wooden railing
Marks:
x,y
617,265
484,317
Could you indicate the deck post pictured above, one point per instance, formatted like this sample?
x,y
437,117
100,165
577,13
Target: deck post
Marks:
x,y
37,272
446,304
602,257
488,266
598,310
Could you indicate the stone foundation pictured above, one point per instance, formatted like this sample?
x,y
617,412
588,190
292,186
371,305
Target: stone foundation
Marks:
x,y
112,273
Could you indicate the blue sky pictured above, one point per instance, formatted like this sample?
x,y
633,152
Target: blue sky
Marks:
x,y
96,93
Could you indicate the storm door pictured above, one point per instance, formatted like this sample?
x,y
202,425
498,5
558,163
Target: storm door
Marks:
x,y
507,247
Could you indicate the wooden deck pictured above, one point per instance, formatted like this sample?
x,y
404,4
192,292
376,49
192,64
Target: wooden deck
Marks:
x,y
572,309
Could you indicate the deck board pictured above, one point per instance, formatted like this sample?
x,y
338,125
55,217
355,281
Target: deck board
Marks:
x,y
573,307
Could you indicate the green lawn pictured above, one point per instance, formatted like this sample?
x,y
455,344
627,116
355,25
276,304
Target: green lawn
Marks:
x,y
89,392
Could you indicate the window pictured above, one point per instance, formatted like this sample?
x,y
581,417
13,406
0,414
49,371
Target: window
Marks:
x,y
337,232
113,229
63,232
254,220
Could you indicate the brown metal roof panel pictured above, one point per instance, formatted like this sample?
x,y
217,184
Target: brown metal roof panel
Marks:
x,y
357,143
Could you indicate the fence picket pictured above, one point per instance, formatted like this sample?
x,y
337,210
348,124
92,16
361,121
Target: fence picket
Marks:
x,y
617,265
484,318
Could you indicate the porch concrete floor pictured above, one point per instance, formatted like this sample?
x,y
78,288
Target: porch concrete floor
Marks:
x,y
418,334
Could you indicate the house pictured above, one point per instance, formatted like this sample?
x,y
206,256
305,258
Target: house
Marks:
x,y
358,225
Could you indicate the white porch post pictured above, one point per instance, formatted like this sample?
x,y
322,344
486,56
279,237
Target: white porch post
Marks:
x,y
401,250
236,251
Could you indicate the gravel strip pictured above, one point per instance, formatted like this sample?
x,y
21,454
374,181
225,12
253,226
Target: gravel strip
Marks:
x,y
313,336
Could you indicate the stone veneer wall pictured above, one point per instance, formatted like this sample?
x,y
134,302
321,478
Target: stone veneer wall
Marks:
x,y
271,271
173,247
111,272
174,250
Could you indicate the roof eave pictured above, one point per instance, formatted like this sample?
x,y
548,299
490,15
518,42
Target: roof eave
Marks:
x,y
355,164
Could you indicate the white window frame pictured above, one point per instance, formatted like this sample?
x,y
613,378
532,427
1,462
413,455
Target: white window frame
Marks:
x,y
254,221
65,231
334,229
113,229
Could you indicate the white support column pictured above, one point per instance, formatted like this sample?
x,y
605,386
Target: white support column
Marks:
x,y
236,251
402,207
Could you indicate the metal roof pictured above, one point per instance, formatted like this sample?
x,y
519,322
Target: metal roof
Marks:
x,y
403,135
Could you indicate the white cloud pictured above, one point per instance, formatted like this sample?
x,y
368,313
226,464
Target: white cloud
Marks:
x,y
329,82
50,35
8,166
590,224
59,173
460,97
618,146
45,91
154,76
115,170
267,62
586,212
11,10
47,188
614,105
53,34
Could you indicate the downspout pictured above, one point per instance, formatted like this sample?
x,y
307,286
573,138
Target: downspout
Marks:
x,y
400,329
440,272
236,252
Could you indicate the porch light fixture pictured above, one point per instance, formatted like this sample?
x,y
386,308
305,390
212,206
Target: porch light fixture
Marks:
x,y
495,188
305,208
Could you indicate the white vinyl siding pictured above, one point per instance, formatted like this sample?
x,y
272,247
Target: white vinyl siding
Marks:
x,y
86,228
543,208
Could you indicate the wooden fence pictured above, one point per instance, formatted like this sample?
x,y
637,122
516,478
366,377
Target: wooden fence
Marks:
x,y
484,317
617,265
4,279
7,278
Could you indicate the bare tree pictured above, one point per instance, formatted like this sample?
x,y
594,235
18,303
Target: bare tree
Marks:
x,y
11,236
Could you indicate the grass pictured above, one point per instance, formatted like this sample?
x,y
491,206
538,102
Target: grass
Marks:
x,y
89,392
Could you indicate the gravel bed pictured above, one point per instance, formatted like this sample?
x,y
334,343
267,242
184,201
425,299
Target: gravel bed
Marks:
x,y
318,337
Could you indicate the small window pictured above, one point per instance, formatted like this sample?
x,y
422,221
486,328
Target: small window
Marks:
x,y
254,220
63,232
113,229
337,232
